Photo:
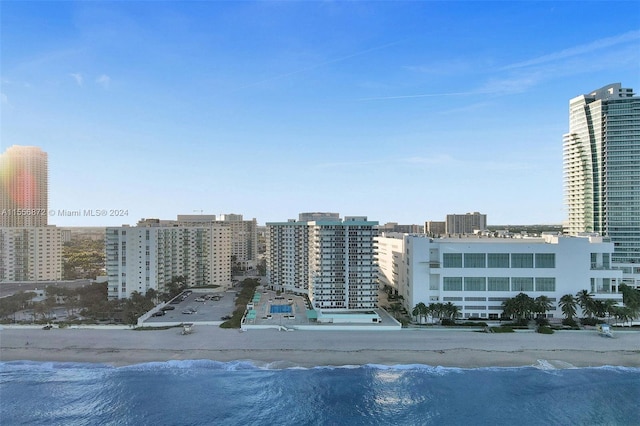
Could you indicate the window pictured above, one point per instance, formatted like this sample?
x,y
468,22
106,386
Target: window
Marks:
x,y
522,260
475,284
498,260
545,260
521,284
452,260
545,284
475,260
452,284
498,283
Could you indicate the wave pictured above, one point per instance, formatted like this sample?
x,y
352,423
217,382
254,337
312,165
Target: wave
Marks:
x,y
50,365
248,364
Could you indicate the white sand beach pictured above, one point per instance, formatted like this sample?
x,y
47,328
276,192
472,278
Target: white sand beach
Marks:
x,y
449,348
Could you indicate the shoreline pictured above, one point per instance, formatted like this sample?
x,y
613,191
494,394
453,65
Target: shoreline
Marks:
x,y
274,349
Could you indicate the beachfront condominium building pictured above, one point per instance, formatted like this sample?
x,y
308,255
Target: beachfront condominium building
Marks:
x,y
23,187
478,274
244,235
602,171
29,249
152,254
465,223
244,240
30,253
329,259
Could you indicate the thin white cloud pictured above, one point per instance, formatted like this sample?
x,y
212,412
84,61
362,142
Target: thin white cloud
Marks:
x,y
442,68
435,160
511,85
104,81
78,78
3,99
349,164
578,50
319,65
421,95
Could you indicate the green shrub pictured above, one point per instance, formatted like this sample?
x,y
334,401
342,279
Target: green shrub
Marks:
x,y
570,322
501,329
542,321
544,329
473,324
447,321
591,321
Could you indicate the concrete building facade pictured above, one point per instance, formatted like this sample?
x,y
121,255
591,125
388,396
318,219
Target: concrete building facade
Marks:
x,y
602,172
435,228
331,260
465,223
150,255
30,253
478,274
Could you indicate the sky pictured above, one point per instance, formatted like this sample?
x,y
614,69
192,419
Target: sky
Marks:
x,y
399,111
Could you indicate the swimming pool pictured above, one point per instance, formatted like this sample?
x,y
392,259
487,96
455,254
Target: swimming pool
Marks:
x,y
280,309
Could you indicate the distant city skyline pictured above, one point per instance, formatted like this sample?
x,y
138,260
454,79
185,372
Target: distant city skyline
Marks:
x,y
402,112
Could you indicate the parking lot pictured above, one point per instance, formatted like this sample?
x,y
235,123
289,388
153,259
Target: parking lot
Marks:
x,y
197,306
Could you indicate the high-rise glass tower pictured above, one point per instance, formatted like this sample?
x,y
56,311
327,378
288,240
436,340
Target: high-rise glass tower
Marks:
x,y
23,187
602,170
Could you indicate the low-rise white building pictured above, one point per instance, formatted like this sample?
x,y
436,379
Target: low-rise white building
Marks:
x,y
478,274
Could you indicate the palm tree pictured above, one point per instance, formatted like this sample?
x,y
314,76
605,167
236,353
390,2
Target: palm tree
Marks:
x,y
451,310
520,306
423,311
568,305
609,307
622,314
585,301
436,310
417,312
631,299
542,304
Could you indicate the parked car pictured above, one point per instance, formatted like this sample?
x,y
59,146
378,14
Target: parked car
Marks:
x,y
159,313
190,310
226,317
200,299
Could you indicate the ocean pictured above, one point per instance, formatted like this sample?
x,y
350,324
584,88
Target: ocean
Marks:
x,y
202,392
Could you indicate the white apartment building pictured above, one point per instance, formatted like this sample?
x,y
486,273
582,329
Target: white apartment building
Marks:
x,y
478,274
330,259
244,234
152,254
465,223
30,253
244,239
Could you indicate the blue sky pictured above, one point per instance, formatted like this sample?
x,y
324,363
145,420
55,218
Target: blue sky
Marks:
x,y
400,111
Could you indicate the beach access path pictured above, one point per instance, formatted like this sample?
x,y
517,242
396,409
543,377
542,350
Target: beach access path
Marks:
x,y
277,349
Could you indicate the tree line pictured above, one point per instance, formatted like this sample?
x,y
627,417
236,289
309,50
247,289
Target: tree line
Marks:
x,y
524,307
88,303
